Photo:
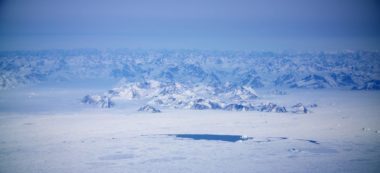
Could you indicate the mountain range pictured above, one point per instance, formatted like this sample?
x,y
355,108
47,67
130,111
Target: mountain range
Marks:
x,y
169,95
316,70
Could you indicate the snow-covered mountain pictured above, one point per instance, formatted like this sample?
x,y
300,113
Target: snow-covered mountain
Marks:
x,y
101,101
345,69
314,81
148,108
169,95
181,95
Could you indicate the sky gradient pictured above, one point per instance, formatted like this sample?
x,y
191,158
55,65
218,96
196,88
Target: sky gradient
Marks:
x,y
188,24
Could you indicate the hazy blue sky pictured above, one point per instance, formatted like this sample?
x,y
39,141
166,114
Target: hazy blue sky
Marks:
x,y
202,24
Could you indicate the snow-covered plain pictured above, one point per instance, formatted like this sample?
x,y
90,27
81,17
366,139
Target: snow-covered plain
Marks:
x,y
340,135
134,111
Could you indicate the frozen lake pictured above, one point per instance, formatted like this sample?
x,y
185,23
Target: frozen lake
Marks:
x,y
212,137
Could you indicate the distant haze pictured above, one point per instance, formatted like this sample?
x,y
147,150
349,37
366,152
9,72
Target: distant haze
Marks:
x,y
189,24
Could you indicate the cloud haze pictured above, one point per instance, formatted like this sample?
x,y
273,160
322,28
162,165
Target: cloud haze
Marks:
x,y
211,24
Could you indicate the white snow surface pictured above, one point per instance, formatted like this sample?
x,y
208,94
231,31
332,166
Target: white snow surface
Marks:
x,y
124,140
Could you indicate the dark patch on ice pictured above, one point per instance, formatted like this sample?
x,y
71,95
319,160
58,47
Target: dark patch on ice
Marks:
x,y
294,150
321,150
117,157
308,140
261,141
270,139
212,137
235,138
276,138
